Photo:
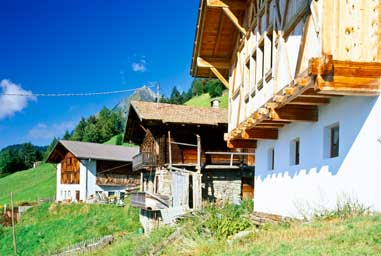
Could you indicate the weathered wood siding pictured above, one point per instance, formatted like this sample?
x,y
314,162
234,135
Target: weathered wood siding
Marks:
x,y
70,169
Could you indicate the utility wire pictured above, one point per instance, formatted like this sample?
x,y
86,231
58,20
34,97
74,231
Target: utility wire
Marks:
x,y
69,94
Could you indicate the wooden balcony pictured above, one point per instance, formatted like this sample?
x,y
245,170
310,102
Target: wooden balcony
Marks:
x,y
107,179
149,201
144,160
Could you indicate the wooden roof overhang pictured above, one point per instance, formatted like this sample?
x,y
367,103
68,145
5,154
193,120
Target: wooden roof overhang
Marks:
x,y
57,154
218,26
298,101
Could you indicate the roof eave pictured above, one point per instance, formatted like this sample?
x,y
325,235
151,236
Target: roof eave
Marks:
x,y
198,36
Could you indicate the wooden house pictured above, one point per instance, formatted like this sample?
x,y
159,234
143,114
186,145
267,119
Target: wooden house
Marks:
x,y
304,84
90,171
183,158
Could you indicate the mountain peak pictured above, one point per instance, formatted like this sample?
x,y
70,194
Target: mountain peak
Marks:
x,y
143,93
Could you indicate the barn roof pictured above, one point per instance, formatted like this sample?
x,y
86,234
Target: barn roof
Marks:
x,y
170,113
95,151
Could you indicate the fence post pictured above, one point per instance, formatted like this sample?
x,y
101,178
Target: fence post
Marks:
x,y
13,226
170,149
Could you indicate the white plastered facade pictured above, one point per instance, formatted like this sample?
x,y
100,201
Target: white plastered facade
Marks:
x,y
318,182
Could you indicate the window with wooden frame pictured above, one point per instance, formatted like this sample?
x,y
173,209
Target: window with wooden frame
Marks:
x,y
295,152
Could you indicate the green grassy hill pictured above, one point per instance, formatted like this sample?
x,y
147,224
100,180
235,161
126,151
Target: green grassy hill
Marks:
x,y
113,141
46,228
30,184
204,101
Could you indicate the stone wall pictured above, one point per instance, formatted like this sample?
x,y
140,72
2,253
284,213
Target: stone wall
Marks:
x,y
223,185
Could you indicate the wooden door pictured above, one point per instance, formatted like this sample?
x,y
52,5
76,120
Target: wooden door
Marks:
x,y
77,195
247,188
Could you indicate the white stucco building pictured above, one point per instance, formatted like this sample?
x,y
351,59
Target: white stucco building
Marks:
x,y
304,80
92,171
319,180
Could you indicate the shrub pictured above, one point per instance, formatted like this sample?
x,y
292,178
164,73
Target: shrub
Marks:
x,y
345,208
228,220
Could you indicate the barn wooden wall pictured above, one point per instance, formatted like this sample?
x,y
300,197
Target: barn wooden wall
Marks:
x,y
70,169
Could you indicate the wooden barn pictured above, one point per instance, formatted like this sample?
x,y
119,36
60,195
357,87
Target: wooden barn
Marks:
x,y
304,83
90,171
184,159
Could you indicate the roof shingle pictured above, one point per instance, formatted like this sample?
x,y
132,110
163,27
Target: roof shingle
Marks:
x,y
170,113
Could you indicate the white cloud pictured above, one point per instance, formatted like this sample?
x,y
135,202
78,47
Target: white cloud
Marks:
x,y
139,66
44,131
11,104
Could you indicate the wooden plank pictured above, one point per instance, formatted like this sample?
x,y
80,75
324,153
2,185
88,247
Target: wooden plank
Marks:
x,y
312,92
296,113
259,133
240,143
309,101
237,5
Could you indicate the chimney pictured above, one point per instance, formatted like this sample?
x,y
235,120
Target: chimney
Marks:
x,y
215,103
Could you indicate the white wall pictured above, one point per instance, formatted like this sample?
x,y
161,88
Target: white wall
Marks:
x,y
87,185
318,182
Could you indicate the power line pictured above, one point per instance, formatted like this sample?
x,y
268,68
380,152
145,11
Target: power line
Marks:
x,y
69,94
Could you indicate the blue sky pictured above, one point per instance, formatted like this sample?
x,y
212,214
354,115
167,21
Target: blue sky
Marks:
x,y
86,46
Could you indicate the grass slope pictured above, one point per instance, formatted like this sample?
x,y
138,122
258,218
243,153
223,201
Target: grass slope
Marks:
x,y
204,101
210,232
28,185
46,228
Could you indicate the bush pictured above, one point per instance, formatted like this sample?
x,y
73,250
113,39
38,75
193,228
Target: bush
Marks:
x,y
119,139
229,219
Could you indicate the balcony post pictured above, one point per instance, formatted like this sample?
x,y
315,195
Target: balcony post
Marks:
x,y
198,153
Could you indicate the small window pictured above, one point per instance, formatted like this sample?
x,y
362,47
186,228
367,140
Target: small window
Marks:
x,y
295,152
331,141
335,138
271,159
111,193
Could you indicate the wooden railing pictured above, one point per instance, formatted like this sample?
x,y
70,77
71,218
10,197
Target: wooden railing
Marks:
x,y
143,160
116,179
229,158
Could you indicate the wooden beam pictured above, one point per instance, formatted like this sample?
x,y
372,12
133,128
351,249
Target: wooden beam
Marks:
x,y
259,133
296,113
309,101
312,92
233,19
342,85
352,78
320,66
204,63
240,143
